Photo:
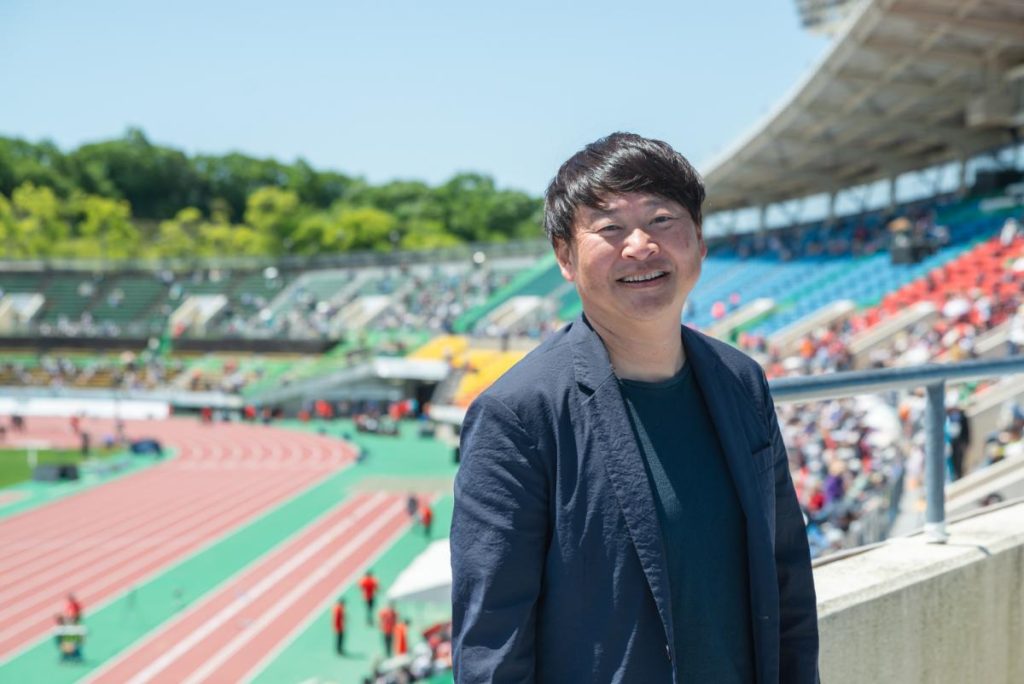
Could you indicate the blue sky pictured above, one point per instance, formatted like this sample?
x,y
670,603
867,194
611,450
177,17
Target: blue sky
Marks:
x,y
400,89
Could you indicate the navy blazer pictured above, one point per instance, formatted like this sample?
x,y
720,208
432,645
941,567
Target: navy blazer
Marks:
x,y
559,572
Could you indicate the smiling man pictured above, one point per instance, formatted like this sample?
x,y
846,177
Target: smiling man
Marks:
x,y
624,510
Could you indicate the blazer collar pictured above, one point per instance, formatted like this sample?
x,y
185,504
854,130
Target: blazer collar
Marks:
x,y
592,365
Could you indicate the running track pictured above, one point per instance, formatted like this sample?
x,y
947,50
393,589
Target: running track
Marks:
x,y
229,634
104,540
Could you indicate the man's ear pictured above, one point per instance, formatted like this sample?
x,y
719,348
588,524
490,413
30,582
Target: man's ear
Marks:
x,y
564,256
701,242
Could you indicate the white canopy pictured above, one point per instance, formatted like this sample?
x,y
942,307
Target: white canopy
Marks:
x,y
428,579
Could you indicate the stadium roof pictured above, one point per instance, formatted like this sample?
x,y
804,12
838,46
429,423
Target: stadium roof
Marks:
x,y
907,84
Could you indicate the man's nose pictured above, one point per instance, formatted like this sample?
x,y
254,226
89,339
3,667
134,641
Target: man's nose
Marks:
x,y
639,245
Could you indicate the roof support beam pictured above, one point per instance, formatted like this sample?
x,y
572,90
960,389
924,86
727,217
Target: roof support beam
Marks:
x,y
943,57
903,88
987,28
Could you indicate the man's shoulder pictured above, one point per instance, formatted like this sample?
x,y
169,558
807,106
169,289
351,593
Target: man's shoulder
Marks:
x,y
744,369
731,357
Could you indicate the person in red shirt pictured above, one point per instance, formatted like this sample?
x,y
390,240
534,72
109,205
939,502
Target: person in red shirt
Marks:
x,y
388,620
73,609
426,517
402,637
369,586
338,619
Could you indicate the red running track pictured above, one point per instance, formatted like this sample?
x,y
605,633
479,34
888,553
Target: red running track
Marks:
x,y
228,635
104,540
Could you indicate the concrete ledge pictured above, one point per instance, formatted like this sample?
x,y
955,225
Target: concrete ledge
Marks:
x,y
910,611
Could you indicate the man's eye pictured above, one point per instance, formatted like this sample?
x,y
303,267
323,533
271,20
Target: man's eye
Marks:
x,y
662,219
610,228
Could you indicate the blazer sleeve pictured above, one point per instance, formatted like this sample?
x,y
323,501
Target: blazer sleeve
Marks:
x,y
798,612
499,538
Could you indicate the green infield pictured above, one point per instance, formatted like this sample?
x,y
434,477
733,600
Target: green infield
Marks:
x,y
16,464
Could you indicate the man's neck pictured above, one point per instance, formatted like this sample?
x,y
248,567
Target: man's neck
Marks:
x,y
647,352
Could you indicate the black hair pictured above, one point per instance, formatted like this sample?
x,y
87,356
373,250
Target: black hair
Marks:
x,y
614,165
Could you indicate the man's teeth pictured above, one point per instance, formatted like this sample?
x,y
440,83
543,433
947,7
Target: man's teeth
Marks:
x,y
642,278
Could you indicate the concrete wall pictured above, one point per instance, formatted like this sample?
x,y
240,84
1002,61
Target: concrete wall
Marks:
x,y
911,611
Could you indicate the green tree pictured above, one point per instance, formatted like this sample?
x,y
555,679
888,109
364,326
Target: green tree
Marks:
x,y
105,230
367,228
321,233
231,179
156,181
427,234
316,188
197,203
38,224
8,227
178,236
41,164
475,210
224,239
275,214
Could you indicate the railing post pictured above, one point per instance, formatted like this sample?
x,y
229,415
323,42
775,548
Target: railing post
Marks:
x,y
935,463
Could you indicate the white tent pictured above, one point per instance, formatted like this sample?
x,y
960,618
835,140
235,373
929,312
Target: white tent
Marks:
x,y
428,579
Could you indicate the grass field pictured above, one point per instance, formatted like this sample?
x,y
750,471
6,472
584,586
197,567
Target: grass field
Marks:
x,y
15,468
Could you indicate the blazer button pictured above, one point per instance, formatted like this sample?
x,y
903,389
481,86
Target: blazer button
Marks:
x,y
668,653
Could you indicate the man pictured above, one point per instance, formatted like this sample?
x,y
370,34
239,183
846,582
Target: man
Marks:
x,y
388,618
624,510
369,585
338,621
958,430
426,517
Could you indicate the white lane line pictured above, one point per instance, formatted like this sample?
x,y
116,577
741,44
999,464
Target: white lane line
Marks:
x,y
225,614
242,639
200,604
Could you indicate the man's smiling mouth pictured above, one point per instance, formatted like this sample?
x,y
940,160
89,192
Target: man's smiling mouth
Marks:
x,y
643,277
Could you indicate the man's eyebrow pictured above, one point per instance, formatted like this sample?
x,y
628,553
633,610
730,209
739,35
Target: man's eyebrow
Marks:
x,y
652,202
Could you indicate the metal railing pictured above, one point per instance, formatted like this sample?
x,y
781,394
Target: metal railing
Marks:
x,y
933,378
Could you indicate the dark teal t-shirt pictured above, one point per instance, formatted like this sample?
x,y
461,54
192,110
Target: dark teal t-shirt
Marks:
x,y
703,529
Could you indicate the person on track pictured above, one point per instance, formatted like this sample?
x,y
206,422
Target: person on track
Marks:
x,y
73,609
388,620
338,620
426,517
369,586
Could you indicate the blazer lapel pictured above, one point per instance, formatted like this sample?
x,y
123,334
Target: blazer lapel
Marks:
x,y
608,435
721,392
723,395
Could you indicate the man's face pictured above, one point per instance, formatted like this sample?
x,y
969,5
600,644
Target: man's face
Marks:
x,y
634,260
